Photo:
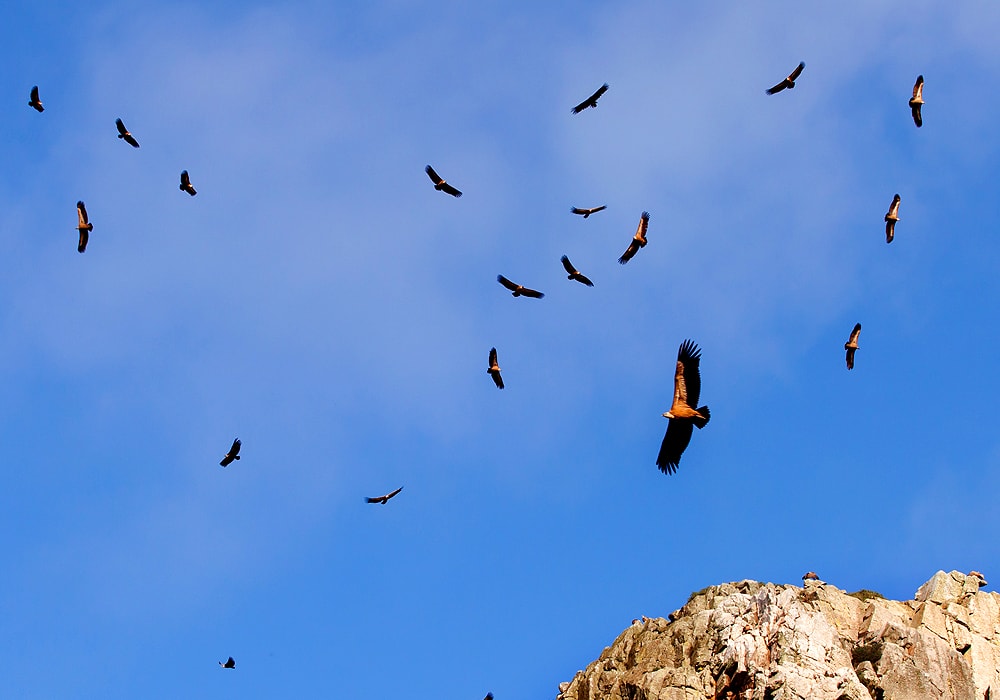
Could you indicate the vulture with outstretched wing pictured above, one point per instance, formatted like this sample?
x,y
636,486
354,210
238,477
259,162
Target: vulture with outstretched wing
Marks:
x,y
383,499
234,453
494,369
683,418
851,345
83,225
35,102
440,183
587,212
186,184
891,217
230,663
518,290
124,133
788,82
574,274
638,240
592,100
917,101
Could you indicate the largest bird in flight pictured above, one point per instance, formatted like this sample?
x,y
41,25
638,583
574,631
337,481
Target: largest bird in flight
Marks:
x,y
788,82
638,240
592,100
683,418
124,133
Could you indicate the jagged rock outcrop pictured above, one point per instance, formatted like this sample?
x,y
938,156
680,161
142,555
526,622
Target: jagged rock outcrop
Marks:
x,y
761,641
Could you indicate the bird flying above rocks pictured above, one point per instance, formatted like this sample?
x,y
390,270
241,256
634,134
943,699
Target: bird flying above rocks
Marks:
x,y
574,274
592,100
518,290
891,217
233,454
83,225
124,133
683,418
383,499
440,184
230,663
788,82
35,102
917,101
638,240
186,184
587,212
494,369
851,345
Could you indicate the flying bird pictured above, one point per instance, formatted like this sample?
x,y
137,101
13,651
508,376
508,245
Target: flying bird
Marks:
x,y
124,133
587,212
851,345
518,290
383,499
35,102
917,101
592,100
489,696
891,217
83,226
494,369
788,82
574,274
234,453
186,184
687,387
440,184
638,240
230,663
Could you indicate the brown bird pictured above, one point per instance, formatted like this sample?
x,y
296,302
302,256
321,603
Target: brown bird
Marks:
x,y
574,274
592,100
230,663
186,184
383,499
494,369
234,453
518,290
788,82
440,184
83,226
35,102
851,345
981,578
587,212
687,388
124,133
917,101
891,217
810,576
638,240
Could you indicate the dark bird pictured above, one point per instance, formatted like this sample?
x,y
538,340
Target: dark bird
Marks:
x,y
687,387
851,346
234,453
124,133
186,184
788,82
494,369
35,102
518,290
638,240
83,226
587,212
917,101
440,183
383,499
592,100
574,274
489,696
810,576
891,217
230,663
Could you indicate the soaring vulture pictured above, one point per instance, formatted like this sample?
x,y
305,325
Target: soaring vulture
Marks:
x,y
518,290
494,369
383,499
851,345
574,274
230,663
788,82
917,100
687,387
638,240
440,184
592,100
83,225
186,184
124,133
587,212
234,453
35,102
891,217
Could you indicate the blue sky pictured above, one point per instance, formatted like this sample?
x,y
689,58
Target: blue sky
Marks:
x,y
321,301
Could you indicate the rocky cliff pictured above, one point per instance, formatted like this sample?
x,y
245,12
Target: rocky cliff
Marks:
x,y
762,641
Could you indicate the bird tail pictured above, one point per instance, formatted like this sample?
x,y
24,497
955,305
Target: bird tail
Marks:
x,y
237,456
702,422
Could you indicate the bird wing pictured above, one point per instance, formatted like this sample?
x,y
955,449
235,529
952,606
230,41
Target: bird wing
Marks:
x,y
84,237
81,213
918,88
597,209
640,233
185,179
121,127
497,379
850,358
34,94
675,441
445,187
585,280
597,93
893,208
687,379
797,72
525,292
577,210
235,449
777,88
507,283
390,495
130,140
435,178
918,118
890,230
630,252
493,358
568,266
855,333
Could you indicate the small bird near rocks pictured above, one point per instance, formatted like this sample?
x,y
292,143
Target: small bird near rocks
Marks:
x,y
810,576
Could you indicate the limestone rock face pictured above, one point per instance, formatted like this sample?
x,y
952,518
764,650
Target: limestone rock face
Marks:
x,y
761,641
